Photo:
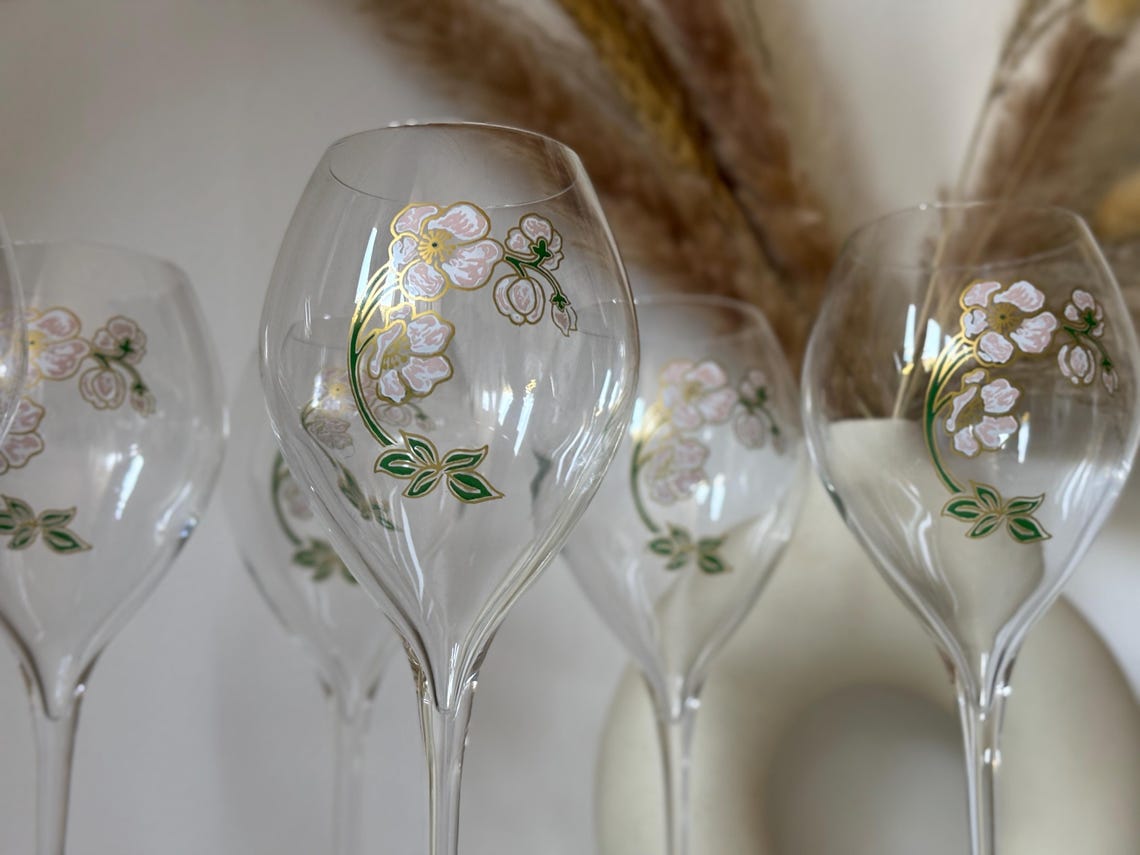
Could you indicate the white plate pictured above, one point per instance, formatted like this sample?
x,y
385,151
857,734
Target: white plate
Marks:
x,y
828,726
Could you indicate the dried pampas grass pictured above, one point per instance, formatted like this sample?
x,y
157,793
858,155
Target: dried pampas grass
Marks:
x,y
1118,215
1111,17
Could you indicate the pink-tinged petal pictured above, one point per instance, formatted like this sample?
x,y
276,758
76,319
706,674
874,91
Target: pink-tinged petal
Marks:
x,y
708,374
999,396
103,388
686,417
717,406
402,252
1072,313
752,431
959,401
381,344
551,261
429,334
423,281
674,373
975,376
994,348
411,219
554,244
60,359
964,442
464,221
1111,381
979,293
57,323
422,375
564,317
517,242
1083,300
1035,334
1023,295
994,432
470,266
502,297
27,417
689,454
974,322
124,328
19,448
536,227
527,297
390,387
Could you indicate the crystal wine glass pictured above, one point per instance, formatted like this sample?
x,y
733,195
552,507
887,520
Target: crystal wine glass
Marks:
x,y
698,507
465,277
309,588
105,472
971,405
13,341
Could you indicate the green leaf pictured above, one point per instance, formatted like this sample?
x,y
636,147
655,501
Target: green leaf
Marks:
x,y
1026,529
464,458
987,495
323,572
709,544
680,535
7,523
1023,506
20,510
423,483
471,487
56,518
421,447
964,508
711,564
24,536
397,463
350,489
381,514
987,525
677,561
307,556
348,577
661,546
65,541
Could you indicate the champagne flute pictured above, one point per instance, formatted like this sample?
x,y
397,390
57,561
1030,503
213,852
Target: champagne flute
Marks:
x,y
104,474
309,589
971,405
13,341
466,273
698,508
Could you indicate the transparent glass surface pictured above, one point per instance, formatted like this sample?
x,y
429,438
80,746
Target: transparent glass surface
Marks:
x,y
113,452
697,508
13,344
971,404
449,328
310,590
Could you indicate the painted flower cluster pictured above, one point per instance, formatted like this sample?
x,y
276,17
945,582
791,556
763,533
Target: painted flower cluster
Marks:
x,y
398,350
107,366
983,410
669,459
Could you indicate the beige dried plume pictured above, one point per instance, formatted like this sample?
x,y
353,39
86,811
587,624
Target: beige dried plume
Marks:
x,y
1118,215
1111,17
665,216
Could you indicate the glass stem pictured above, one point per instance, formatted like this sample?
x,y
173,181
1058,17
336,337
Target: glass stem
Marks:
x,y
675,724
351,723
445,736
55,743
981,727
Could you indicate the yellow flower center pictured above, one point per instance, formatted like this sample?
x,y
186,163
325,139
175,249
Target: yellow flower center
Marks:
x,y
36,345
1004,318
436,246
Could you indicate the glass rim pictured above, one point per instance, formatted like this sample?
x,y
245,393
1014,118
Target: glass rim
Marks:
x,y
117,249
851,246
535,137
713,301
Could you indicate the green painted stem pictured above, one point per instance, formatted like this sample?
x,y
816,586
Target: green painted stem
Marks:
x,y
635,488
280,473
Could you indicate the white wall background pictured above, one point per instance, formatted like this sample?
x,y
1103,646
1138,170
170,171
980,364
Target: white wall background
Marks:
x,y
187,128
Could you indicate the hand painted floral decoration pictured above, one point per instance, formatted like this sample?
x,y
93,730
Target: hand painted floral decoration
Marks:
x,y
398,345
109,378
981,412
669,457
314,554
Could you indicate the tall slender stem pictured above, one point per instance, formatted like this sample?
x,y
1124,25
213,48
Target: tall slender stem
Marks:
x,y
981,729
675,725
351,729
444,731
55,745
